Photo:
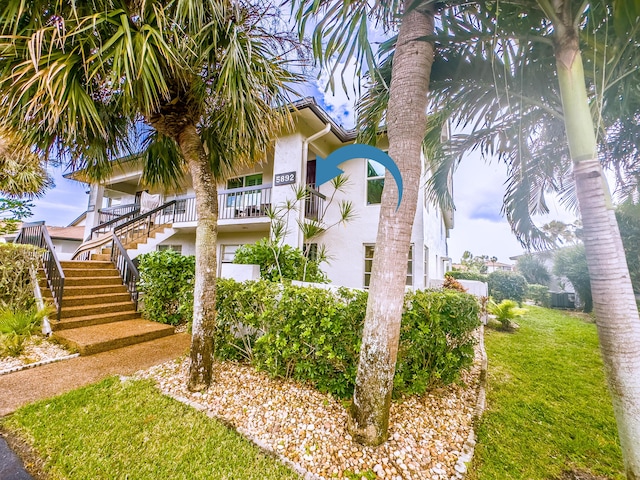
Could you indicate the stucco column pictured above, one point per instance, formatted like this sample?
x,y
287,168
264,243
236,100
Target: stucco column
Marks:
x,y
96,195
288,154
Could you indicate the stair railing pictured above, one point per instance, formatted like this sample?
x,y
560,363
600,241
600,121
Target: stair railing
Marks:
x,y
138,229
126,268
36,234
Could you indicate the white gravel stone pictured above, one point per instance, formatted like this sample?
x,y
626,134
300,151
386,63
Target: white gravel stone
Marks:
x,y
37,349
308,428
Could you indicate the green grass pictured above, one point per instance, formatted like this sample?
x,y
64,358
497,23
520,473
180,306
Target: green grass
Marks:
x,y
118,430
548,405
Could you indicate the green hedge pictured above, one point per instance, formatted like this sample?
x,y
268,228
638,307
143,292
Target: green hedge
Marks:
x,y
507,286
315,335
460,275
166,280
16,262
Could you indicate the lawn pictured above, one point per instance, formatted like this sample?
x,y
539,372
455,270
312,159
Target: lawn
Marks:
x,y
118,430
548,409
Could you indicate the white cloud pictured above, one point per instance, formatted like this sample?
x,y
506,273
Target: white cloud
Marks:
x,y
340,103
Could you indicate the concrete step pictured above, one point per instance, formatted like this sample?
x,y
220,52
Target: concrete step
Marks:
x,y
83,290
88,320
89,272
70,300
96,309
91,281
100,338
85,264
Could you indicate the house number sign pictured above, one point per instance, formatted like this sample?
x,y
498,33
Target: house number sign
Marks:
x,y
285,178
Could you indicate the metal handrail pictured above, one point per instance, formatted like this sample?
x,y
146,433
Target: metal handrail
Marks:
x,y
127,269
36,234
144,216
103,226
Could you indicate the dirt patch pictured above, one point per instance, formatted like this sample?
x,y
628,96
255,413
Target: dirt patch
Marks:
x,y
33,463
580,475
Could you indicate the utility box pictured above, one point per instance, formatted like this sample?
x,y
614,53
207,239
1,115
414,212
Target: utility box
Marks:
x,y
563,300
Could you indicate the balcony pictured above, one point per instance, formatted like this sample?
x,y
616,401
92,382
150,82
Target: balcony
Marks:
x,y
238,203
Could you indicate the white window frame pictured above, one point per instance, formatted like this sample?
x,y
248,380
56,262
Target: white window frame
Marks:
x,y
410,267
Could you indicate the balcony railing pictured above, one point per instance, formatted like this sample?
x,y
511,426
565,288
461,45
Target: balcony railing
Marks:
x,y
313,203
111,213
240,203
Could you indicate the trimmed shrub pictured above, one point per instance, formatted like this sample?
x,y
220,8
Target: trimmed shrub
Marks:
x,y
436,339
460,275
166,279
314,336
539,294
507,286
16,263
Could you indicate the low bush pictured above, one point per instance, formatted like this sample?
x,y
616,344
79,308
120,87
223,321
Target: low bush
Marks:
x,y
17,261
436,339
315,334
166,280
507,286
451,283
460,275
539,294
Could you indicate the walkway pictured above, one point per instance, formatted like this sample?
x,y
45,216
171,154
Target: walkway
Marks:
x,y
26,386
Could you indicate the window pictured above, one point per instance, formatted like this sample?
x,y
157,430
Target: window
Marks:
x,y
240,182
375,182
228,253
312,249
368,262
175,248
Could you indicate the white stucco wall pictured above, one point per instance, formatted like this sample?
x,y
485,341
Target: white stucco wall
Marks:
x,y
346,243
65,248
288,156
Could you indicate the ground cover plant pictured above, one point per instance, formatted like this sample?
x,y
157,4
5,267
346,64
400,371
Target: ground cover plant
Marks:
x,y
548,406
127,429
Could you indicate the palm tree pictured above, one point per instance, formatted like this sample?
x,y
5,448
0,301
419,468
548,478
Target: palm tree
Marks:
x,y
549,41
22,177
519,83
343,24
206,77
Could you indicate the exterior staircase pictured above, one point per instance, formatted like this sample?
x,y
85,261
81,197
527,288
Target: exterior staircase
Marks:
x,y
97,312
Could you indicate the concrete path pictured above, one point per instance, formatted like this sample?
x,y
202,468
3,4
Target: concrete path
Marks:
x,y
47,381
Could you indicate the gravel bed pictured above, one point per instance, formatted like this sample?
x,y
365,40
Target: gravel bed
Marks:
x,y
426,437
37,349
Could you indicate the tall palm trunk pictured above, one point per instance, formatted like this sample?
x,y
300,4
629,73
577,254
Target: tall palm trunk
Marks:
x,y
406,125
613,299
204,295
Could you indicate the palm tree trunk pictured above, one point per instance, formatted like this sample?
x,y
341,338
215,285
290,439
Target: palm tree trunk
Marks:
x,y
406,125
613,299
204,295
